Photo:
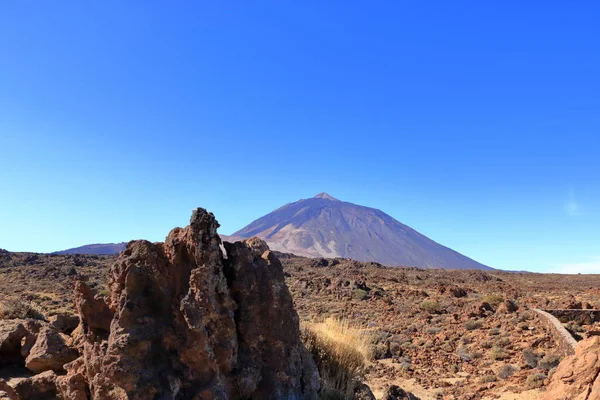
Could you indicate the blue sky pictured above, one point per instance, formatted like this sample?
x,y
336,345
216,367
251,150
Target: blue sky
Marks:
x,y
475,123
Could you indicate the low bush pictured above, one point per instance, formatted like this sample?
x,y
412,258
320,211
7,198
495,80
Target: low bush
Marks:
x,y
493,300
535,381
507,371
488,378
20,309
472,325
498,354
531,359
549,361
340,352
432,307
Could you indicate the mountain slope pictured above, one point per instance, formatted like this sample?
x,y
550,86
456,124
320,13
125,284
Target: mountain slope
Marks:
x,y
323,226
100,248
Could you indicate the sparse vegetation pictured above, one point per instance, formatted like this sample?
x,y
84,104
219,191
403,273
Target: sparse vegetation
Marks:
x,y
531,358
472,325
498,354
340,352
431,307
507,371
17,308
493,299
535,380
549,361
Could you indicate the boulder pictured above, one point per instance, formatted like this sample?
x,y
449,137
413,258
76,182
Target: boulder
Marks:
x,y
64,323
183,321
73,386
37,387
12,333
362,391
6,391
50,352
458,292
577,376
397,393
17,337
482,309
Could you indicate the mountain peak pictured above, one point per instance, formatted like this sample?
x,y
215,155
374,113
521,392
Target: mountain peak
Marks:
x,y
324,195
326,227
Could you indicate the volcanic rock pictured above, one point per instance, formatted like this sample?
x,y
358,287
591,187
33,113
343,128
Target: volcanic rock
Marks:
x,y
50,352
397,393
577,376
184,321
38,387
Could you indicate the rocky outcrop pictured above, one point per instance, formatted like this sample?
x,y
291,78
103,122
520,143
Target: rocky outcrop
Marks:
x,y
182,321
577,376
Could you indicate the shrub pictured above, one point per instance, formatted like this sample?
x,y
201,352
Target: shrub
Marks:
x,y
360,294
535,381
20,309
486,344
472,325
498,354
434,330
432,307
464,354
493,300
507,371
549,361
488,378
340,352
531,359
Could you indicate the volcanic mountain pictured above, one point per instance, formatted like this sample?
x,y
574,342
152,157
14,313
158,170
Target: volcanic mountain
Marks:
x,y
100,248
324,226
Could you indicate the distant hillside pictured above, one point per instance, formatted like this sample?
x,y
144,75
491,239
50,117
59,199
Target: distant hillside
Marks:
x,y
323,226
100,248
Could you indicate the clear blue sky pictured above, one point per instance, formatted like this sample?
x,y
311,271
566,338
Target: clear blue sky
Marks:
x,y
478,124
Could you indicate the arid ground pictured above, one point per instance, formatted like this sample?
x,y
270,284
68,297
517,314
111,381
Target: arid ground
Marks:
x,y
438,333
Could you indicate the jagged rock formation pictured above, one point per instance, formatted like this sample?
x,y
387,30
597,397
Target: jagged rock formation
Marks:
x,y
184,322
577,376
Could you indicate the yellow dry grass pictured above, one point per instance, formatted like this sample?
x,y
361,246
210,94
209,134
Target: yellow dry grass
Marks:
x,y
341,353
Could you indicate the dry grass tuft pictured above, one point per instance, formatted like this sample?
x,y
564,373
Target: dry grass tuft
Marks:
x,y
341,353
20,309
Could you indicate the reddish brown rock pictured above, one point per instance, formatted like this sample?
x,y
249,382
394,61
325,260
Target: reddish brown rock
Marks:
x,y
50,352
73,386
183,321
482,309
38,387
64,323
457,292
11,334
577,376
397,393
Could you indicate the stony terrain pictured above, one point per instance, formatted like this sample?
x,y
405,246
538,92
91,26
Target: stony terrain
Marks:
x,y
439,333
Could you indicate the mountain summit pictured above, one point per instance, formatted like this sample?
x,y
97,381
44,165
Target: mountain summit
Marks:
x,y
323,226
324,195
